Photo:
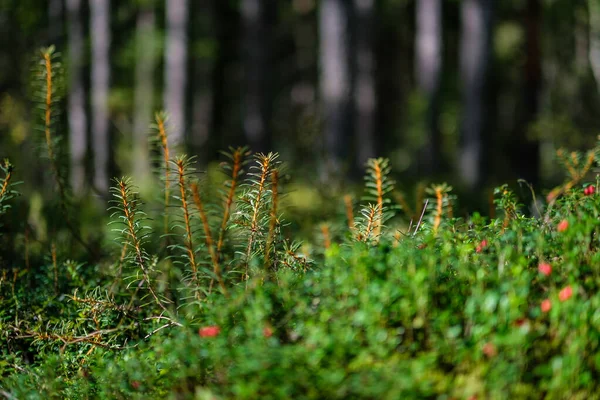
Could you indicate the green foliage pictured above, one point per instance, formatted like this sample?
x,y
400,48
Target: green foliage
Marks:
x,y
472,308
47,93
6,184
252,214
505,307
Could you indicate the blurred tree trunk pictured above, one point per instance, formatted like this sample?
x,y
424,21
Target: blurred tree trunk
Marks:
x,y
335,82
145,66
305,73
364,96
257,19
525,149
76,98
176,69
594,39
55,23
203,32
100,37
475,54
224,78
428,68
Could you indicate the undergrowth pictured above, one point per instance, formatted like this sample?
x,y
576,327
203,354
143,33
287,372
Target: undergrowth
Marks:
x,y
206,294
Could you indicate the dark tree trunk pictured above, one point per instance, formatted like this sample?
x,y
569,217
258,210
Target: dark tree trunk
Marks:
x,y
258,18
365,101
223,78
474,59
203,12
428,69
335,82
55,22
528,150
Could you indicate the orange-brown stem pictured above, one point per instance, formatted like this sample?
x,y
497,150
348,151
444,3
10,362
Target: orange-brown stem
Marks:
x,y
370,223
186,219
208,238
51,155
135,241
326,236
439,210
265,164
4,188
238,155
162,134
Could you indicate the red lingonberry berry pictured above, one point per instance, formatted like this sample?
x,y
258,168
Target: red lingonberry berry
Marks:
x,y
565,294
489,349
545,269
546,305
482,245
562,225
588,191
267,332
209,331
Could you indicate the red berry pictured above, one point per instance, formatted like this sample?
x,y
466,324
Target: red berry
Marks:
x,y
546,305
545,269
565,294
489,349
482,245
209,331
267,332
589,190
562,225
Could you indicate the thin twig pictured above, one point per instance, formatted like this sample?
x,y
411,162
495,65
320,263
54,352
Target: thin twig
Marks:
x,y
421,218
7,395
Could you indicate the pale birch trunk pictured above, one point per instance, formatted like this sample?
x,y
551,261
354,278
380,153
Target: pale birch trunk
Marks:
x,y
428,68
145,65
100,38
365,101
176,69
335,81
204,15
76,98
476,16
594,39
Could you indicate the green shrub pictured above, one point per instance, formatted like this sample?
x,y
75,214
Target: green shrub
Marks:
x,y
218,301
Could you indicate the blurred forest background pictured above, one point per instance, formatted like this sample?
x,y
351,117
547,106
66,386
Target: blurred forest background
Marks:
x,y
474,92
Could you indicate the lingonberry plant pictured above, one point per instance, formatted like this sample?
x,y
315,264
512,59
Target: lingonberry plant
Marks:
x,y
207,294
